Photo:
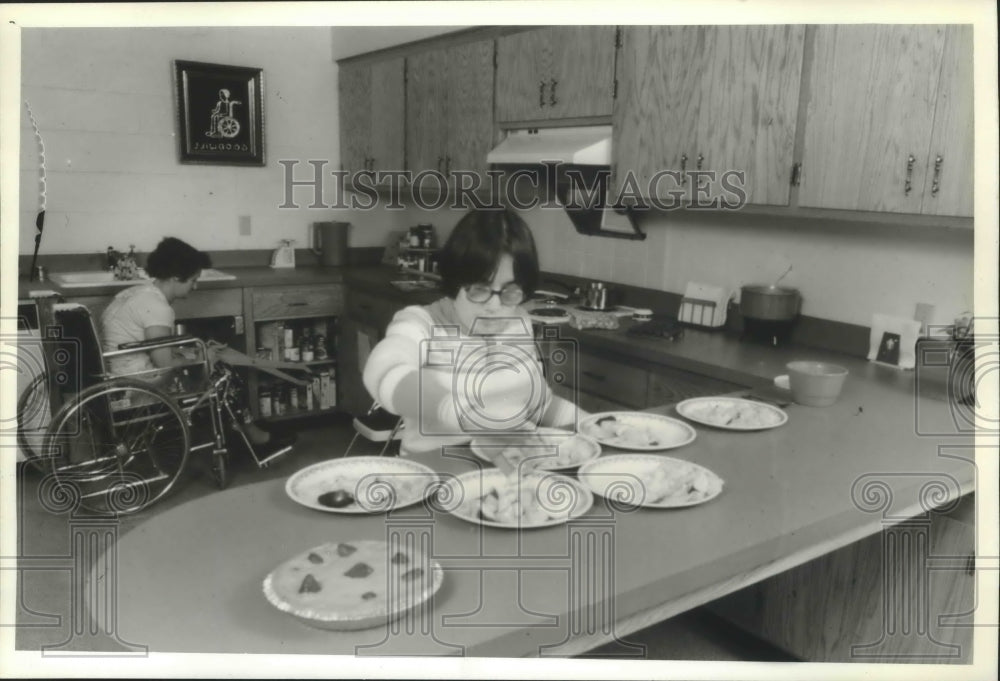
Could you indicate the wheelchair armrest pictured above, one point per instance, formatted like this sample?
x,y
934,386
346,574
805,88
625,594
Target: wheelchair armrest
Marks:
x,y
163,341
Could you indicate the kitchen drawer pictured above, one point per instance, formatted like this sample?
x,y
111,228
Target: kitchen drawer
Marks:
x,y
283,302
668,385
370,309
611,380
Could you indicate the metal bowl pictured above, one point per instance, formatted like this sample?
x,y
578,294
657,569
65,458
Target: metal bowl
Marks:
x,y
773,303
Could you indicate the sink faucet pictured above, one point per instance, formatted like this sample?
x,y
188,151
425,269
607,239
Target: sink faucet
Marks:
x,y
113,257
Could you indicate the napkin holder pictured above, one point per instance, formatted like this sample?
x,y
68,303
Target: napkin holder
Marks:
x,y
704,306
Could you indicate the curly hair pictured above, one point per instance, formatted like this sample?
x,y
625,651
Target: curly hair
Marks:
x,y
175,258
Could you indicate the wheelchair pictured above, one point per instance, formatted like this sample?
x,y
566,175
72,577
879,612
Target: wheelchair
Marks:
x,y
117,444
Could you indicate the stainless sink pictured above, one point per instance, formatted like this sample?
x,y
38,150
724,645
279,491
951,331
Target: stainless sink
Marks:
x,y
106,278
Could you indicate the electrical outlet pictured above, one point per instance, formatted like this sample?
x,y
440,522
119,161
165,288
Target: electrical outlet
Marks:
x,y
245,228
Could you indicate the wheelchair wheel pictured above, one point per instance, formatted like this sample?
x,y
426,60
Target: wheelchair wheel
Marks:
x,y
119,447
33,419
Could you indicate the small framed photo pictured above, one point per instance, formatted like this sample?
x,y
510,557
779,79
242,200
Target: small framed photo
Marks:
x,y
220,112
888,349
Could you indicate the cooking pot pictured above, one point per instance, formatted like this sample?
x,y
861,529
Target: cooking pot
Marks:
x,y
771,303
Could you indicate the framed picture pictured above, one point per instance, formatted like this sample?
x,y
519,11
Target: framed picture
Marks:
x,y
220,113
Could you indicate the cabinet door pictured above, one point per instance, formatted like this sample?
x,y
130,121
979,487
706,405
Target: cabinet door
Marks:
x,y
581,82
748,106
522,67
669,385
470,106
354,342
949,180
656,112
426,111
387,115
355,116
870,111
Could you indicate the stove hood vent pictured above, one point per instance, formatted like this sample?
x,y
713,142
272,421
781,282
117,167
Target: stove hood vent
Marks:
x,y
589,146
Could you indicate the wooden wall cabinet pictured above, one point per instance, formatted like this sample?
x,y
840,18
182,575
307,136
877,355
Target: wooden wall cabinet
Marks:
x,y
884,102
719,98
372,115
555,73
449,114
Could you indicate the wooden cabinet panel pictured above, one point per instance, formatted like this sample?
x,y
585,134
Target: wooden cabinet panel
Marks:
x,y
655,118
610,379
354,92
708,98
387,115
748,107
555,72
872,93
522,64
583,71
470,106
371,310
669,385
354,342
952,139
904,595
286,302
426,110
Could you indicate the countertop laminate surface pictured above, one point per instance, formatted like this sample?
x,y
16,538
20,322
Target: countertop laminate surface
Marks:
x,y
826,478
245,277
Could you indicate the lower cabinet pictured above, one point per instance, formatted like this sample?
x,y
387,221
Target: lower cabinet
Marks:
x,y
905,594
363,325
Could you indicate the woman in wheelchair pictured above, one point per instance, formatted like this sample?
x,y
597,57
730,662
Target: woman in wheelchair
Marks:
x,y
144,312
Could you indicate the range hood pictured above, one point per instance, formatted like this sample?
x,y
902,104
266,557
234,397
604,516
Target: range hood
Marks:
x,y
572,160
589,146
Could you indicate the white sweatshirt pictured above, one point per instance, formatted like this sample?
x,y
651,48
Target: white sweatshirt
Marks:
x,y
450,385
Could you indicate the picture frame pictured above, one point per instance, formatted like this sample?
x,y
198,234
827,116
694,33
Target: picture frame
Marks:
x,y
220,113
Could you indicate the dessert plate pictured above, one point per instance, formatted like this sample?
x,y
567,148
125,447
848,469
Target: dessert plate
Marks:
x,y
637,430
549,449
491,497
650,480
732,413
361,484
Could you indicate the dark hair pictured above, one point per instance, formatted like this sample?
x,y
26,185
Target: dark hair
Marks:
x,y
473,250
175,258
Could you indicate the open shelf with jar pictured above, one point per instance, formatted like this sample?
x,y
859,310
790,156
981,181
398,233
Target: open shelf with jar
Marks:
x,y
296,324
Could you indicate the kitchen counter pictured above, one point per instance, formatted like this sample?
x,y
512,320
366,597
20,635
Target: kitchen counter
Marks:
x,y
827,478
245,277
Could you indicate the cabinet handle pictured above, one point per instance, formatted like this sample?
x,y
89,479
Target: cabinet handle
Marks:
x,y
591,374
796,174
684,177
541,94
908,186
701,159
440,161
552,92
297,303
447,165
936,184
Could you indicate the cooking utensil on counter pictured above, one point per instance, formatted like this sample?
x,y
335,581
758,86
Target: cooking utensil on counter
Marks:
x,y
596,296
769,312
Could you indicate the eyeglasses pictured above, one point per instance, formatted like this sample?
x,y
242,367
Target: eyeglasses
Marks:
x,y
510,295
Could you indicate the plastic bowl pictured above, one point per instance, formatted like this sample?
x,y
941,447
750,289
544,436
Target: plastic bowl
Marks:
x,y
814,384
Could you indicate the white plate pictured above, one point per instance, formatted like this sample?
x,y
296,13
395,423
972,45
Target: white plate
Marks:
x,y
637,431
556,499
732,413
378,484
547,449
341,605
650,480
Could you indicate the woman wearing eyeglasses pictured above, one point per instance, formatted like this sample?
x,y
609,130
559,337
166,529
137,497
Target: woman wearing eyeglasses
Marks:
x,y
468,363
